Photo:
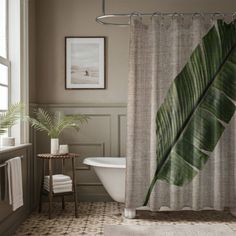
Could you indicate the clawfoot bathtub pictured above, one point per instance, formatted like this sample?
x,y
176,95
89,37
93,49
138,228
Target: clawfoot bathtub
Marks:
x,y
111,172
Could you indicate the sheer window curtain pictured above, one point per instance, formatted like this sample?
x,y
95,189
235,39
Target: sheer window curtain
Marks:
x,y
158,51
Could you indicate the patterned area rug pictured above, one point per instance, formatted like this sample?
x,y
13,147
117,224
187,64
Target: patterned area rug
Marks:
x,y
169,230
94,215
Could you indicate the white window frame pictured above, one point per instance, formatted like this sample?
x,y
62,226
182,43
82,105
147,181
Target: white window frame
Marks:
x,y
5,60
19,66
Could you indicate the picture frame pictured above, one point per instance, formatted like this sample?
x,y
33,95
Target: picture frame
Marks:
x,y
85,62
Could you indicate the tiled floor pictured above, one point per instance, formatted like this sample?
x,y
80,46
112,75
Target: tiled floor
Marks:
x,y
93,217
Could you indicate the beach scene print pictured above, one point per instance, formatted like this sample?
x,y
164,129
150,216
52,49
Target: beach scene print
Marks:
x,y
84,63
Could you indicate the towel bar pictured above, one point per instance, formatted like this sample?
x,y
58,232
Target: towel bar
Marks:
x,y
4,164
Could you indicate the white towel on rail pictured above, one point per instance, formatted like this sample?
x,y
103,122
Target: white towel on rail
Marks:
x,y
14,173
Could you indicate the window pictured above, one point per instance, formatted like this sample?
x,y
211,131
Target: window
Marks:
x,y
14,61
4,61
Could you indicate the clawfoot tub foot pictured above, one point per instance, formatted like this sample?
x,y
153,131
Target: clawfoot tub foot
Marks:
x,y
130,213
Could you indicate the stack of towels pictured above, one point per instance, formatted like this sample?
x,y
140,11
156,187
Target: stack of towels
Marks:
x,y
60,183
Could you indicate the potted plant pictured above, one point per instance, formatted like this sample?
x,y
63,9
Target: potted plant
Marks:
x,y
53,124
7,120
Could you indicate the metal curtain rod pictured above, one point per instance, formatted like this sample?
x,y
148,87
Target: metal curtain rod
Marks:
x,y
5,163
100,19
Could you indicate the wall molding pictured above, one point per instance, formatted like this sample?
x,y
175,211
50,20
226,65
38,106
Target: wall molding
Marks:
x,y
102,148
119,132
79,105
105,137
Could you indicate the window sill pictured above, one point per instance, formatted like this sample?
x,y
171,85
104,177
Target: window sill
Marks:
x,y
14,148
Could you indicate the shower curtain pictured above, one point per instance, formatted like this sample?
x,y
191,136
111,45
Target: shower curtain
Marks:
x,y
159,50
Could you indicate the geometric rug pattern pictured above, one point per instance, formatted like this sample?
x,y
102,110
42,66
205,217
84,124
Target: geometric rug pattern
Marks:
x,y
93,216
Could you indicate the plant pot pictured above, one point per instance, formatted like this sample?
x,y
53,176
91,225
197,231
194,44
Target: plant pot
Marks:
x,y
63,149
54,145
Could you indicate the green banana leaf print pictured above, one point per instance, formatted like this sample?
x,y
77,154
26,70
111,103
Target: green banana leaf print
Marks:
x,y
197,107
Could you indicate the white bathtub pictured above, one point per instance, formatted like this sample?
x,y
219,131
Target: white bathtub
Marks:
x,y
111,172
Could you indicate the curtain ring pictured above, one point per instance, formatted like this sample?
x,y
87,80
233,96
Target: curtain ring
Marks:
x,y
217,13
155,14
234,15
175,14
162,20
181,15
196,14
135,13
182,18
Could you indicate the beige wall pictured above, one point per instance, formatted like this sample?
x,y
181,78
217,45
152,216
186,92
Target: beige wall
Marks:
x,y
32,51
56,19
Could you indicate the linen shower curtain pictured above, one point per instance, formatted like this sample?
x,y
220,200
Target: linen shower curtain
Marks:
x,y
159,51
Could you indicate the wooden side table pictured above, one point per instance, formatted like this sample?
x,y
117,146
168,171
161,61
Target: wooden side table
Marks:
x,y
50,158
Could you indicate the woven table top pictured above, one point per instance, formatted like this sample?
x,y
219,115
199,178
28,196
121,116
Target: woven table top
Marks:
x,y
57,156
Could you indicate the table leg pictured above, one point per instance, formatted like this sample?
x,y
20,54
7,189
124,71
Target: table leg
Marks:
x,y
50,187
74,187
62,166
62,197
63,202
41,188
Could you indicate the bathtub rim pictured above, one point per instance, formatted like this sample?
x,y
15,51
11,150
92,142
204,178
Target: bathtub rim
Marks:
x,y
99,162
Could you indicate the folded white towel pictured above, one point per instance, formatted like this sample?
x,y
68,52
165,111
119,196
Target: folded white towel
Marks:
x,y
58,178
58,187
60,190
58,183
14,173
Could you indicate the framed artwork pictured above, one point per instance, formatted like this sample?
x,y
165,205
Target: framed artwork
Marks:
x,y
85,63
